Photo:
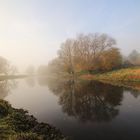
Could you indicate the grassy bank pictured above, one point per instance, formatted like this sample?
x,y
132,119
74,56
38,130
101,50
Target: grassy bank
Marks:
x,y
126,77
17,124
4,77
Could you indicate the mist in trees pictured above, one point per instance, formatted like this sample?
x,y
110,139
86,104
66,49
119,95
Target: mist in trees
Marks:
x,y
134,57
30,70
6,68
91,52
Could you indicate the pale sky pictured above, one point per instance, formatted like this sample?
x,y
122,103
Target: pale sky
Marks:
x,y
31,31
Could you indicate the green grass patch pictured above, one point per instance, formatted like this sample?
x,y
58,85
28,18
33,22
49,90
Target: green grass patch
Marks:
x,y
17,124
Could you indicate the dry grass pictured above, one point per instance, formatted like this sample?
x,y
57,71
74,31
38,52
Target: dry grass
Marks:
x,y
127,74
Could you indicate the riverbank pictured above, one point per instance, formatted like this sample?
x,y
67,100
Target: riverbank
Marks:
x,y
129,77
17,124
6,77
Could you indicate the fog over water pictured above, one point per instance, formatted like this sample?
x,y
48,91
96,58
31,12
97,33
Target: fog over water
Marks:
x,y
80,109
31,31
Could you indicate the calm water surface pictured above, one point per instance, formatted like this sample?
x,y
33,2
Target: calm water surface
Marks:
x,y
83,110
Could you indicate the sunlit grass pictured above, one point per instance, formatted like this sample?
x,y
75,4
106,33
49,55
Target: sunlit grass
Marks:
x,y
125,74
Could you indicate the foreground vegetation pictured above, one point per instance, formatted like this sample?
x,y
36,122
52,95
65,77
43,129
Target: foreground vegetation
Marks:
x,y
17,124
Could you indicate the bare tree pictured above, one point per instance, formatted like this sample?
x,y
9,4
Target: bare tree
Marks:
x,y
66,55
4,66
84,51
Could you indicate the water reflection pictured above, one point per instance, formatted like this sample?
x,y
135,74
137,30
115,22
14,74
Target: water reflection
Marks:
x,y
81,109
86,100
133,92
30,81
6,86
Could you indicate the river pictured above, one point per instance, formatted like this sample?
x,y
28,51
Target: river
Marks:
x,y
82,110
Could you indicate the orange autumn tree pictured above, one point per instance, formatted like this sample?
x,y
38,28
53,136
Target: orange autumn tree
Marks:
x,y
91,52
110,59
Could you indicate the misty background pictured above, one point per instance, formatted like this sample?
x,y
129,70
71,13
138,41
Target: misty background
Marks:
x,y
31,31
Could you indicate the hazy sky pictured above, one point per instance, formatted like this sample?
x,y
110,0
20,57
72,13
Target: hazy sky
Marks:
x,y
31,31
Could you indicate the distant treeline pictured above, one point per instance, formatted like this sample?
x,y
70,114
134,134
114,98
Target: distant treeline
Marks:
x,y
85,53
6,68
92,53
133,59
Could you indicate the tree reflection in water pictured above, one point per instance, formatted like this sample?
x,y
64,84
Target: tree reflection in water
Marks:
x,y
87,100
6,86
